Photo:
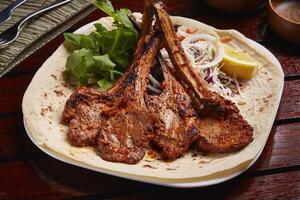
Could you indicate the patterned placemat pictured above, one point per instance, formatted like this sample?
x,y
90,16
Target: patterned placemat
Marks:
x,y
40,29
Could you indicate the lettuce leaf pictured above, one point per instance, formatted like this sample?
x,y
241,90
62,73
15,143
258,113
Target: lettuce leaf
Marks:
x,y
120,16
79,64
85,63
72,41
103,54
75,41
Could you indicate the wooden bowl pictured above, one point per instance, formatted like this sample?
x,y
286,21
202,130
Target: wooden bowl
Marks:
x,y
284,19
236,5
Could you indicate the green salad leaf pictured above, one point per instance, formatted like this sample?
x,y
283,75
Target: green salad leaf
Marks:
x,y
120,17
79,63
105,5
103,55
72,41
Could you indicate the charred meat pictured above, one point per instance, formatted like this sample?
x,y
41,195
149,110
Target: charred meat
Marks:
x,y
175,128
222,128
123,121
117,120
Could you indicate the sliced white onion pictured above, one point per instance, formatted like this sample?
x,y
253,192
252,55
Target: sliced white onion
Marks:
x,y
153,89
215,47
155,82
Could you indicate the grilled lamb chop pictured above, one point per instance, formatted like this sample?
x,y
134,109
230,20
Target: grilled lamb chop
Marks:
x,y
222,128
117,120
83,114
175,128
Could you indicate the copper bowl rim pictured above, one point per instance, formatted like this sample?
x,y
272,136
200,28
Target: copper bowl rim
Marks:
x,y
282,17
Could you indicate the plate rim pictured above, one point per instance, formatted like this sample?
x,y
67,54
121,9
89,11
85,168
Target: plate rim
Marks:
x,y
202,183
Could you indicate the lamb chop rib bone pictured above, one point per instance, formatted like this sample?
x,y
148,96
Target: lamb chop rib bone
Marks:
x,y
194,85
175,128
117,120
221,127
125,135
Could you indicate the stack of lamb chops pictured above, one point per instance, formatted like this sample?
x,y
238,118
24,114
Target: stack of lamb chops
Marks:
x,y
125,121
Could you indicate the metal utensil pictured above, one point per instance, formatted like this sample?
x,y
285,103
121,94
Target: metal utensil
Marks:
x,y
6,13
12,33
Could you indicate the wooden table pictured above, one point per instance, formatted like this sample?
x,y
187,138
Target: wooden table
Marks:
x,y
28,173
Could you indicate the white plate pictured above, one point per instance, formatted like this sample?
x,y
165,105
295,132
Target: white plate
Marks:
x,y
28,110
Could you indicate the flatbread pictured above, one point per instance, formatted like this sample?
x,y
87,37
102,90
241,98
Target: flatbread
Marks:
x,y
45,97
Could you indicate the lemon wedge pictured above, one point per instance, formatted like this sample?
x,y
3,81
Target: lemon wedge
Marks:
x,y
238,63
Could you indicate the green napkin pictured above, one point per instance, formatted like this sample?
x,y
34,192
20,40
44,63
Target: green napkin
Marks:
x,y
39,30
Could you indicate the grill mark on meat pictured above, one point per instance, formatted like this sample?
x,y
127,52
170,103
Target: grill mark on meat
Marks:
x,y
129,81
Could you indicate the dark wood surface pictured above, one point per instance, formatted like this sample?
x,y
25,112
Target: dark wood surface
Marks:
x,y
28,173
